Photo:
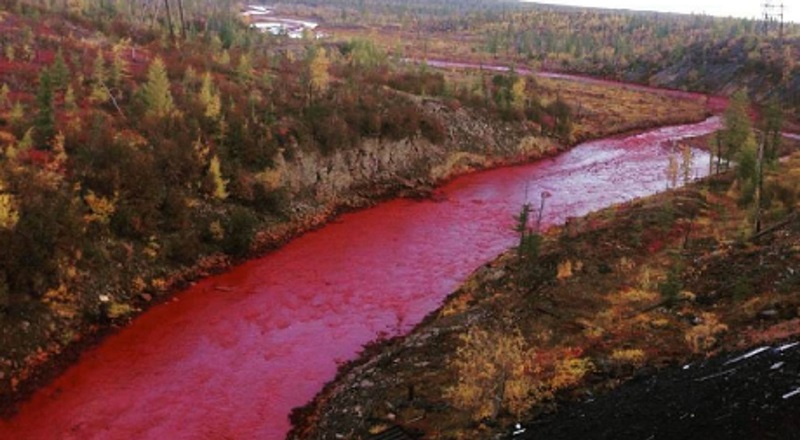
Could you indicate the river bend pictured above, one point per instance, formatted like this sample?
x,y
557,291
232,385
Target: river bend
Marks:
x,y
232,355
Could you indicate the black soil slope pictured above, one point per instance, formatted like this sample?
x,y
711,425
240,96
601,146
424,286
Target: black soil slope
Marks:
x,y
748,395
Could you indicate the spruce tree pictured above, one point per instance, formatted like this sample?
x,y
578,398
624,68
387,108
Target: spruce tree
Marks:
x,y
45,125
59,73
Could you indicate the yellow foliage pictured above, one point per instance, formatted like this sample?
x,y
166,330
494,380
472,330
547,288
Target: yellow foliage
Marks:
x,y
625,265
649,278
456,305
318,69
518,93
61,302
535,146
139,284
495,370
377,429
9,213
152,248
632,296
457,162
210,98
703,336
634,357
564,270
220,184
101,208
159,284
569,372
117,310
270,178
216,230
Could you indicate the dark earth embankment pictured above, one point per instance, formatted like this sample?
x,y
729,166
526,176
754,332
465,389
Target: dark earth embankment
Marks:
x,y
753,394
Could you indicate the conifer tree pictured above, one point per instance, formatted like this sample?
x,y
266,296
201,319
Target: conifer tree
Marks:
x,y
69,99
737,127
209,97
244,70
518,93
99,78
318,77
45,125
119,65
4,92
16,115
9,213
59,73
220,190
157,95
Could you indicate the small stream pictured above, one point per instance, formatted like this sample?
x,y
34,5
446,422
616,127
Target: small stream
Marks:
x,y
232,355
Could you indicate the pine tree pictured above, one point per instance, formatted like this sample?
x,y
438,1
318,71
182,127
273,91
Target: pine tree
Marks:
x,y
189,78
4,92
16,115
220,191
244,70
59,73
518,94
99,78
119,65
45,123
318,64
209,97
157,95
69,99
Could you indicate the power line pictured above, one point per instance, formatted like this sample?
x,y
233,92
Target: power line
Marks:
x,y
773,12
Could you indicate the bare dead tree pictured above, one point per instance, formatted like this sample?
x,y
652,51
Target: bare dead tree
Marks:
x,y
169,20
183,22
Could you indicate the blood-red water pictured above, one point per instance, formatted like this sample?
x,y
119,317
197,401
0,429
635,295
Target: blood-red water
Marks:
x,y
231,356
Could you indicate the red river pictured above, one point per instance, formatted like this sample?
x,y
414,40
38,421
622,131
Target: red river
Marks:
x,y
232,355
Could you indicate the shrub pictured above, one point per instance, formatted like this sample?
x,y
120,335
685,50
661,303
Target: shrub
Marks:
x,y
703,336
433,129
634,357
495,371
240,228
671,288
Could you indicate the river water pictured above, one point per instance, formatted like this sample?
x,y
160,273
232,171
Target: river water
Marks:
x,y
232,355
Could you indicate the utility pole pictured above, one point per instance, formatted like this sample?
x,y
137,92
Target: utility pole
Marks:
x,y
767,9
773,12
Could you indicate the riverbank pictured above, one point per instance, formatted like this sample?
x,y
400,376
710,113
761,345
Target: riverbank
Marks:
x,y
196,303
621,293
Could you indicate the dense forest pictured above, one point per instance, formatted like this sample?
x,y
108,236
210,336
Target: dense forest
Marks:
x,y
693,52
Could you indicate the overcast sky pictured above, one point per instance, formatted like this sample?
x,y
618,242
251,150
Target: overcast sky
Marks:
x,y
736,8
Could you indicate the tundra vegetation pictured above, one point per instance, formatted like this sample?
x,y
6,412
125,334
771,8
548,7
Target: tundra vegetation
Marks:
x,y
141,144
692,52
